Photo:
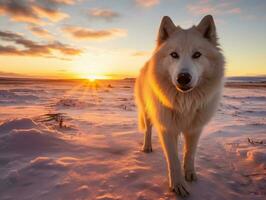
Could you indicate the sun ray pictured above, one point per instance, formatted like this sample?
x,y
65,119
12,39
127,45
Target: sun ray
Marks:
x,y
74,89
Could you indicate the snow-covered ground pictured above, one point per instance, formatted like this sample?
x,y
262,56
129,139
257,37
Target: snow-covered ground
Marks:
x,y
91,149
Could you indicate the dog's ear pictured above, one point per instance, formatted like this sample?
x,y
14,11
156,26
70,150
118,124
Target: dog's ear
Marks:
x,y
207,28
166,28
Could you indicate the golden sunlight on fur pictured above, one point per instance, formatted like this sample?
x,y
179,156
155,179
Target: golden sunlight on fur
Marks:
x,y
178,91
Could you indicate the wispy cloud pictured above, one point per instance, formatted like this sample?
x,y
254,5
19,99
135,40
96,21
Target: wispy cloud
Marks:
x,y
40,32
81,33
33,11
31,48
147,3
49,13
11,74
100,13
219,8
66,2
141,53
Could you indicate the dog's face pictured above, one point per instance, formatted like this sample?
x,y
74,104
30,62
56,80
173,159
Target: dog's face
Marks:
x,y
187,55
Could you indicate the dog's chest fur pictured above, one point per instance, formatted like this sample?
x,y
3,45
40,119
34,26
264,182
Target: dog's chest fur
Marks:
x,y
182,115
184,112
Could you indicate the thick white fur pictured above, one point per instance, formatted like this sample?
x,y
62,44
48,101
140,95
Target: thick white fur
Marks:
x,y
161,104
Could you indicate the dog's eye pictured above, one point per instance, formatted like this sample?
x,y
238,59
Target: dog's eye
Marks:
x,y
196,55
174,55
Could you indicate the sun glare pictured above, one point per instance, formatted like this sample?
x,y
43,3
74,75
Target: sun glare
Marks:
x,y
93,78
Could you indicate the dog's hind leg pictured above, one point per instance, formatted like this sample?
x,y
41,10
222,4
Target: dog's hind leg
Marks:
x,y
147,147
191,141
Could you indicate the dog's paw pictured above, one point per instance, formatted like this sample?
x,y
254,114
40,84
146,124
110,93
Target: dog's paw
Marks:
x,y
147,149
181,189
190,175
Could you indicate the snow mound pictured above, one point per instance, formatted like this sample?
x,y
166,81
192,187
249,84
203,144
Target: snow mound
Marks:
x,y
26,135
22,123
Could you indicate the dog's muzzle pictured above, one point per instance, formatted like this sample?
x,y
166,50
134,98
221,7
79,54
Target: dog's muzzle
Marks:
x,y
183,82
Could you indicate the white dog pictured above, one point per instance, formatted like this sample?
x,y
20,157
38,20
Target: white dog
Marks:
x,y
178,90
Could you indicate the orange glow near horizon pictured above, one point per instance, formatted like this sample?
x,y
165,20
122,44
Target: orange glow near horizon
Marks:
x,y
94,77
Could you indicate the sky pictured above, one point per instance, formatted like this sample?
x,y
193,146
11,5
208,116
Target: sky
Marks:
x,y
114,38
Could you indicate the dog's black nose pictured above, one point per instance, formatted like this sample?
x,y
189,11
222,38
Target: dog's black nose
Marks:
x,y
184,79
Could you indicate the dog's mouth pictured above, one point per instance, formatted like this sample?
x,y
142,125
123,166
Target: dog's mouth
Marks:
x,y
184,89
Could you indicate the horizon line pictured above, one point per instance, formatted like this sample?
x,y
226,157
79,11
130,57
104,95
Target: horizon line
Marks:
x,y
115,78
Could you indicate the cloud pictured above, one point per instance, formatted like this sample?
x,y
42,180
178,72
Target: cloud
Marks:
x,y
31,48
65,2
81,33
11,74
141,53
147,3
105,14
32,11
18,11
206,7
40,32
49,13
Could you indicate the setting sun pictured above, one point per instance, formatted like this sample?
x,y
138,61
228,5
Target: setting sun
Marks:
x,y
94,77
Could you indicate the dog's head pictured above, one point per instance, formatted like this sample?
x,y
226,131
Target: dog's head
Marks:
x,y
188,56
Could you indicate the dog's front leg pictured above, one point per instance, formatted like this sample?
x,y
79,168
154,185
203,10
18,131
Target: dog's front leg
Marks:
x,y
191,141
176,179
147,147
